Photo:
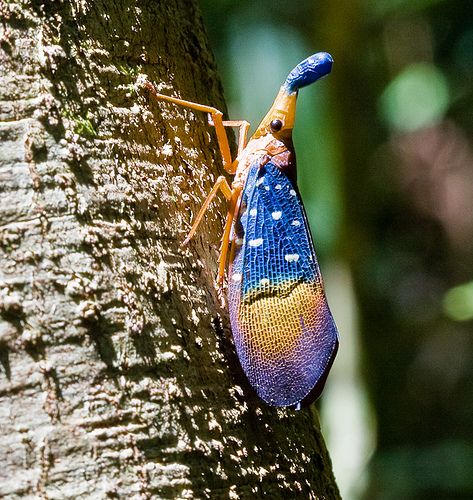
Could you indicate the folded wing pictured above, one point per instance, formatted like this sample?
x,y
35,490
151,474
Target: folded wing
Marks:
x,y
283,329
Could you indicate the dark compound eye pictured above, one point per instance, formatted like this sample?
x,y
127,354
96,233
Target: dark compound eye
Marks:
x,y
276,125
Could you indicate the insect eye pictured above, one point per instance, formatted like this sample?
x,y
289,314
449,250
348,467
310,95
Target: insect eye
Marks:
x,y
276,125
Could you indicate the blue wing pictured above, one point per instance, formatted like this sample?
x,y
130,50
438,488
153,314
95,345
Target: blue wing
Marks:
x,y
283,329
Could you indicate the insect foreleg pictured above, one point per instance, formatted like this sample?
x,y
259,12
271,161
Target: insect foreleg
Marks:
x,y
216,121
243,127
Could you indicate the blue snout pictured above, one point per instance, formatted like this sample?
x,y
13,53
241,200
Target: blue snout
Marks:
x,y
308,71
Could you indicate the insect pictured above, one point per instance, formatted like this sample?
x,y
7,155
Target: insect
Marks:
x,y
283,330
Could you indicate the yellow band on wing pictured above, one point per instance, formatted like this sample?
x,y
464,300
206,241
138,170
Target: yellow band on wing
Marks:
x,y
272,324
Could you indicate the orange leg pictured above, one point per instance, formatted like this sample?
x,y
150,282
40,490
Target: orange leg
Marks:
x,y
233,208
222,184
233,196
243,127
216,120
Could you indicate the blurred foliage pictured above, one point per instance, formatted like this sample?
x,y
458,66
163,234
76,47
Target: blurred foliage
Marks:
x,y
458,302
416,98
385,162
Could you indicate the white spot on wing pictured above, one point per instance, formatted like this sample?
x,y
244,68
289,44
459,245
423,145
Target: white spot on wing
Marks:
x,y
291,257
264,281
253,212
266,188
260,181
236,277
278,186
295,223
256,242
276,215
292,192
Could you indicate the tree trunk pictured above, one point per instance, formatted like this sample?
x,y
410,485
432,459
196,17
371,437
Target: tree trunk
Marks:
x,y
118,376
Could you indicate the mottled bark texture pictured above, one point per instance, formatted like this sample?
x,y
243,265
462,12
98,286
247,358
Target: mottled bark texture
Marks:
x,y
118,378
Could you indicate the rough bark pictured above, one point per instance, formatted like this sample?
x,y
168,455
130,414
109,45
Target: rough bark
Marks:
x,y
118,378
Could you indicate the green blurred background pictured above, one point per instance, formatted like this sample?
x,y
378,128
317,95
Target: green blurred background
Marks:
x,y
385,161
